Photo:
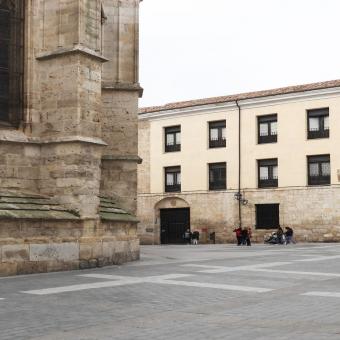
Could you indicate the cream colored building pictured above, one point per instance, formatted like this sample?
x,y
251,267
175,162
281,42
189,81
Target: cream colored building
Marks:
x,y
259,159
68,134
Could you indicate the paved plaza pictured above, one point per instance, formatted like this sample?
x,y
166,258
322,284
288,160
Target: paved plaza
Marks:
x,y
184,292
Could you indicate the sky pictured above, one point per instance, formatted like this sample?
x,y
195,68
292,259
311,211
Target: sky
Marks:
x,y
192,49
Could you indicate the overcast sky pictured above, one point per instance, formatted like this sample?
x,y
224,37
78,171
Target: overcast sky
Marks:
x,y
204,48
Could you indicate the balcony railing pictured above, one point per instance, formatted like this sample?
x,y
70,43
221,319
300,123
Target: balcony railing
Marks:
x,y
217,143
319,180
217,185
173,148
268,183
268,139
318,134
173,188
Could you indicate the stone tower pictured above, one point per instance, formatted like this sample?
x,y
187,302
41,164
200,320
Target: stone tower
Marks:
x,y
68,133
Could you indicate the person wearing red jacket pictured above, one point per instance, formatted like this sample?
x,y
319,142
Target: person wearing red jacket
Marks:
x,y
238,232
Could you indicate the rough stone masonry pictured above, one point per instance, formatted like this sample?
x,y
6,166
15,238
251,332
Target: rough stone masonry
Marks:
x,y
68,157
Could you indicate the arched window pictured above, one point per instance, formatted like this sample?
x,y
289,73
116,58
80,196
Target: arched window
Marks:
x,y
11,60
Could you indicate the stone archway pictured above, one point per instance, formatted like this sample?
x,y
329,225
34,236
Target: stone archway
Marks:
x,y
172,217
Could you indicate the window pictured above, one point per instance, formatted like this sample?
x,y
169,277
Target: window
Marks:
x,y
173,179
217,176
319,170
267,173
318,123
217,134
173,138
267,216
11,60
267,129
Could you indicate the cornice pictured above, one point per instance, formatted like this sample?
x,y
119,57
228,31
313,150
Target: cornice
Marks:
x,y
189,111
244,104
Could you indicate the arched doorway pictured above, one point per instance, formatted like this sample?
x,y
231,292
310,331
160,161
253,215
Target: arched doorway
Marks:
x,y
174,217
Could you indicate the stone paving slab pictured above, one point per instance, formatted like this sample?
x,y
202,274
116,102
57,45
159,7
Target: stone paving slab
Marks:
x,y
167,296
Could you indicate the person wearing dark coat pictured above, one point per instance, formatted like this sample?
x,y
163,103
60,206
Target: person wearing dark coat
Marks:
x,y
279,233
195,237
289,235
245,236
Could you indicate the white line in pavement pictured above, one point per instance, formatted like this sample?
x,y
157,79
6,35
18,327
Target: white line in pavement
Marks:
x,y
295,272
319,258
221,269
122,281
117,277
169,279
85,286
2,299
259,268
214,286
106,276
323,294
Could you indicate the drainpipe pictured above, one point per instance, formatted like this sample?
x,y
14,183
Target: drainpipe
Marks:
x,y
239,165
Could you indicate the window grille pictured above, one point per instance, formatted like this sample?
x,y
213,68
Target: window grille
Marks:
x,y
217,134
319,170
267,129
318,123
267,173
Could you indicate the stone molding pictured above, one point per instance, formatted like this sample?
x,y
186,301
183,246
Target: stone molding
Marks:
x,y
11,136
126,158
108,86
73,50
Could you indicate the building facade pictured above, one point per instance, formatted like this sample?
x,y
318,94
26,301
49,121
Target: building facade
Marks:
x,y
259,160
68,134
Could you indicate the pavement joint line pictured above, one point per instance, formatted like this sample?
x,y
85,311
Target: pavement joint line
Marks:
x,y
323,294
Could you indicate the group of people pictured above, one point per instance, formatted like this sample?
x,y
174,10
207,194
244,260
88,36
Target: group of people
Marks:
x,y
285,237
243,236
191,237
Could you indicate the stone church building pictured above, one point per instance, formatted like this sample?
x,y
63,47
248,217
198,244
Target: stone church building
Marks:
x,y
68,134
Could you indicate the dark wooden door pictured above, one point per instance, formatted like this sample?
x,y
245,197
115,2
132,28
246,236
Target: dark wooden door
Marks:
x,y
174,222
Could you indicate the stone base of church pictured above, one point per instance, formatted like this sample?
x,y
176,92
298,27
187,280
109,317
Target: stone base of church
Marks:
x,y
28,246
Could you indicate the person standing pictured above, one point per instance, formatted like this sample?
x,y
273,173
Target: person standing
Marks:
x,y
238,232
244,236
289,235
249,235
279,233
187,236
195,237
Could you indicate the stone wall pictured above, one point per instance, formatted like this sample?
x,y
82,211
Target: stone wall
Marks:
x,y
28,246
144,153
71,172
313,213
65,138
19,165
